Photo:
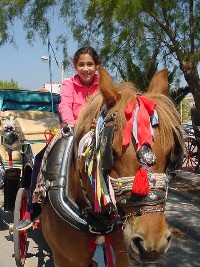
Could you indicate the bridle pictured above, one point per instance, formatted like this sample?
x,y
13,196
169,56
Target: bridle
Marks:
x,y
120,188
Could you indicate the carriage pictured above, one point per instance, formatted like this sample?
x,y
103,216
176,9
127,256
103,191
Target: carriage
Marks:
x,y
191,135
28,121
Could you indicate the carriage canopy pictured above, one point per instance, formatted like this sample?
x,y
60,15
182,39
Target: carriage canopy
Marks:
x,y
11,99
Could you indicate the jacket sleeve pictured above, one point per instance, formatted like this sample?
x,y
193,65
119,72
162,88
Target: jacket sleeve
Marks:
x,y
66,103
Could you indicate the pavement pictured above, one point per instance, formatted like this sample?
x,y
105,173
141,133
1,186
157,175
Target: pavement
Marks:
x,y
183,208
182,214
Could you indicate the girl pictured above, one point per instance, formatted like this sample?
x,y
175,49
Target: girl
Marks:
x,y
79,88
75,92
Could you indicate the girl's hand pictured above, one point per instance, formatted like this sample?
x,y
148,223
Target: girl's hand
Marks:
x,y
1,114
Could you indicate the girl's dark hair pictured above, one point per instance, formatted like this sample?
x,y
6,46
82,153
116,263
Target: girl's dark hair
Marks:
x,y
86,50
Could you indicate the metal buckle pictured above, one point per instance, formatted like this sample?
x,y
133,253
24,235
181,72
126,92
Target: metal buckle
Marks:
x,y
138,211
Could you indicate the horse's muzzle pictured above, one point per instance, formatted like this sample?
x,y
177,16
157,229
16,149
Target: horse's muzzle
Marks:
x,y
141,250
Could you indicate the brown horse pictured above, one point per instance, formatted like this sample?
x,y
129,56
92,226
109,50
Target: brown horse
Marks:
x,y
134,221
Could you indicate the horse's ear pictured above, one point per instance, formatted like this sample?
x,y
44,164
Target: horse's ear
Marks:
x,y
107,88
159,82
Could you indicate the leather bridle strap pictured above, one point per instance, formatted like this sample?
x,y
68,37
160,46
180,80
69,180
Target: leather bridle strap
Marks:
x,y
139,211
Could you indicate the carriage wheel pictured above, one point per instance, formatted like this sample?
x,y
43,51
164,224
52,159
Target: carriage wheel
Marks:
x,y
191,156
20,237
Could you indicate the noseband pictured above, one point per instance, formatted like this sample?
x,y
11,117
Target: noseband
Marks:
x,y
157,195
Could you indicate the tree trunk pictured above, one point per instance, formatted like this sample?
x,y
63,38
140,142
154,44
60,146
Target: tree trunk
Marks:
x,y
192,78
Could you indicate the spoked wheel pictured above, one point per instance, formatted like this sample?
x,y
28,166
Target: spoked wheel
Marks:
x,y
20,237
191,156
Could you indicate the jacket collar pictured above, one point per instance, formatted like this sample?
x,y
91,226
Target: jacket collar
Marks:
x,y
77,82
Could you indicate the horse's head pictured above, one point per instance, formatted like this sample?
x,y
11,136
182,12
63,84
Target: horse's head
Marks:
x,y
126,143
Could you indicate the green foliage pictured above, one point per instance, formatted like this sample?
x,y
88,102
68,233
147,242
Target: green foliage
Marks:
x,y
10,11
117,26
132,33
9,85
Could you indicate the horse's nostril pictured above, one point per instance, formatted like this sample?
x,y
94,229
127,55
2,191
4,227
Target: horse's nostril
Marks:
x,y
169,238
138,242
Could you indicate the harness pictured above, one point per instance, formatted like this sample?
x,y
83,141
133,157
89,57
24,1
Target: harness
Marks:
x,y
120,188
55,180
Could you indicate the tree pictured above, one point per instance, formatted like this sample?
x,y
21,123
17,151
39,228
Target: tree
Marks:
x,y
179,94
136,28
10,11
130,34
9,85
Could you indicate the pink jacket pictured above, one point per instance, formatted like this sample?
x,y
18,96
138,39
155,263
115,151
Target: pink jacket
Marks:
x,y
73,97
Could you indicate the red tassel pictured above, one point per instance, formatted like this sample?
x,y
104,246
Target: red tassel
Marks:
x,y
92,245
141,183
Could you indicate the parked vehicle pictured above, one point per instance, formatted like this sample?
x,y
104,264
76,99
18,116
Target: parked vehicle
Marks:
x,y
191,133
28,120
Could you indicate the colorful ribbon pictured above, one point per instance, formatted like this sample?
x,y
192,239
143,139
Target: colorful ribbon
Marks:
x,y
146,109
99,253
143,113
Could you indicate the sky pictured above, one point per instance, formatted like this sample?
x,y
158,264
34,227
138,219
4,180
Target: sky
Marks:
x,y
24,64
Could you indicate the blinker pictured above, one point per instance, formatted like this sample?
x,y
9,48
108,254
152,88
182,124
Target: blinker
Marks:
x,y
106,141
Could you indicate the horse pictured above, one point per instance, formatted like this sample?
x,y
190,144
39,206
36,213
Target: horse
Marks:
x,y
114,196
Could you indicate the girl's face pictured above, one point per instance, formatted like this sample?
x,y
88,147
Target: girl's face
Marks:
x,y
86,69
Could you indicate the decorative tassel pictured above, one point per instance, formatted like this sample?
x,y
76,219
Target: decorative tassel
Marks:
x,y
96,245
141,183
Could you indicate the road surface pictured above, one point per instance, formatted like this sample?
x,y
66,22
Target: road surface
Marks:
x,y
184,250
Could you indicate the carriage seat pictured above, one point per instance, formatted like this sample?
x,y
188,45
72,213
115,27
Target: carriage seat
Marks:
x,y
26,117
34,130
30,125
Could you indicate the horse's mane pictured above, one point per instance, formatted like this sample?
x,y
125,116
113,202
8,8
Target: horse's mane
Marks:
x,y
169,120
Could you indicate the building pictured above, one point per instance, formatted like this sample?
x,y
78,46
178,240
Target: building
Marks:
x,y
185,108
190,99
53,87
